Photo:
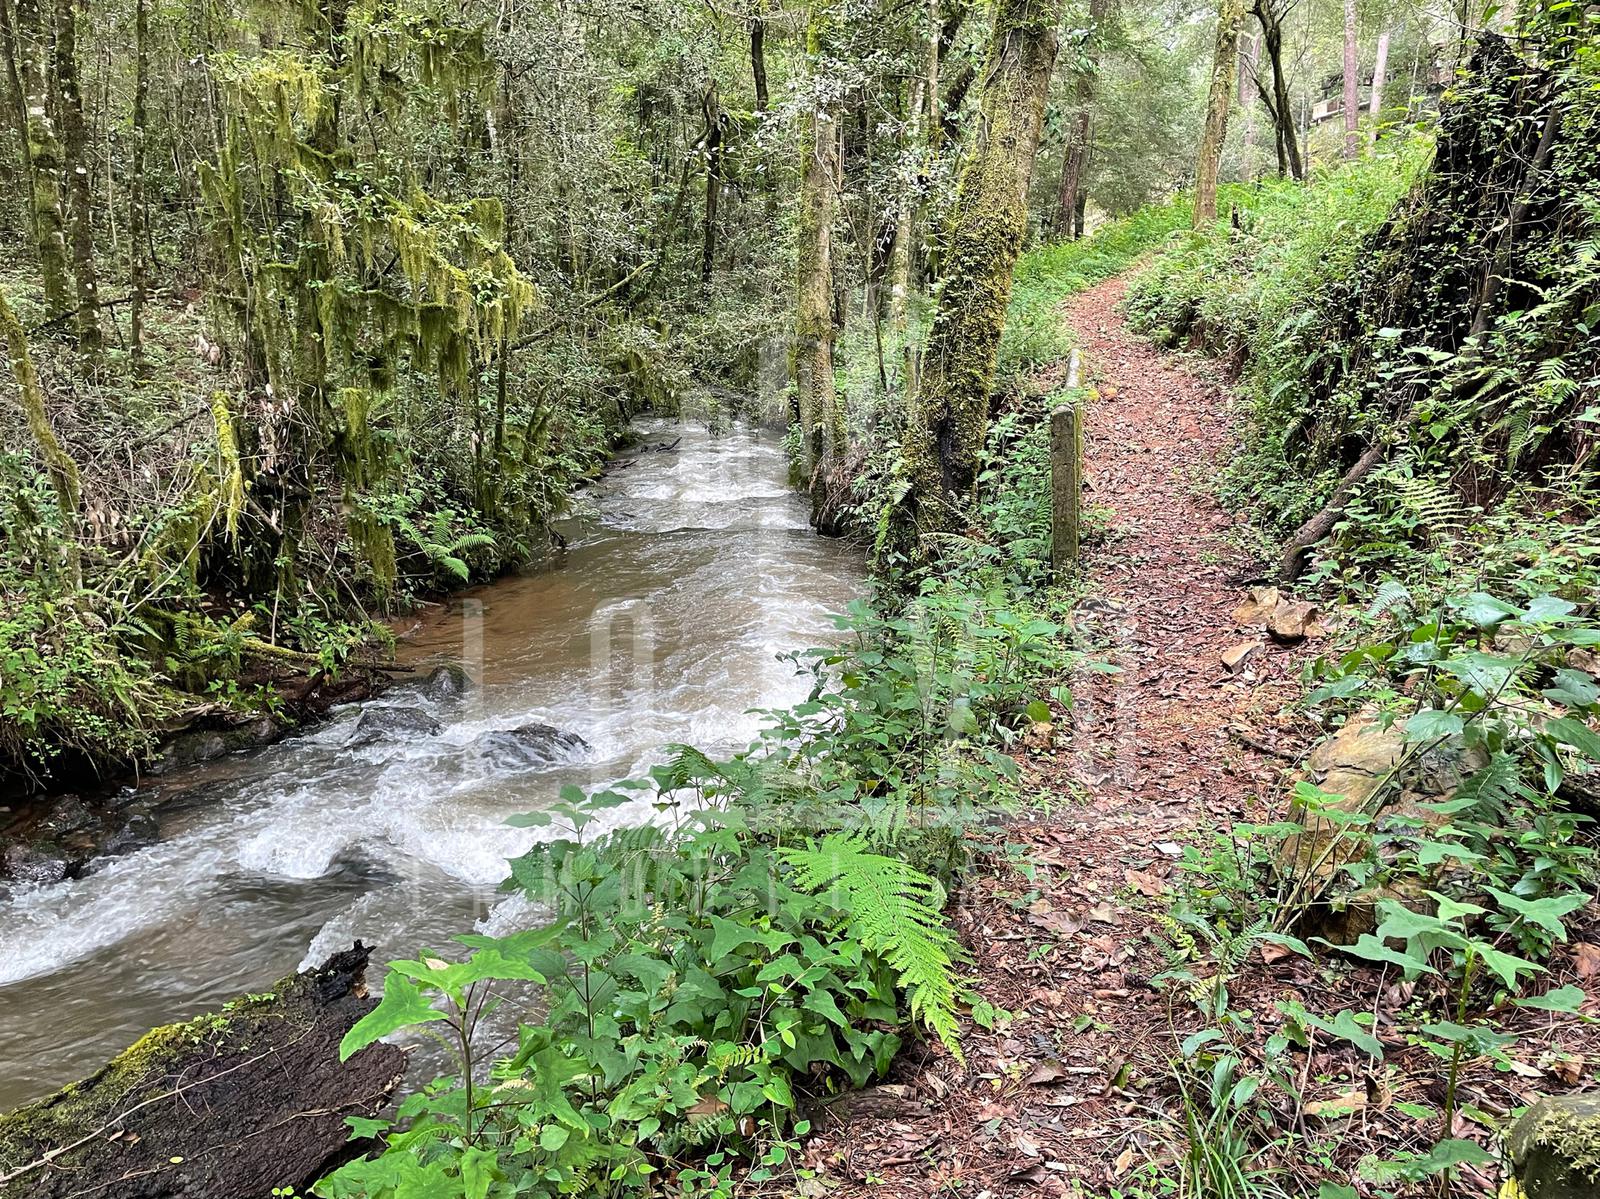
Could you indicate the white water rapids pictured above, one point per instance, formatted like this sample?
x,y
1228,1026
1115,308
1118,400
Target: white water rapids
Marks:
x,y
661,623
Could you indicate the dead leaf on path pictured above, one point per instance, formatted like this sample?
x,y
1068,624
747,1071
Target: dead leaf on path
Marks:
x,y
1103,913
1568,1070
1062,924
1045,1073
1144,882
1124,1161
1026,1145
1586,959
1339,1106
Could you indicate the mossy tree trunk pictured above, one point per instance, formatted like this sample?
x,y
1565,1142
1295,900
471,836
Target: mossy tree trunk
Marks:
x,y
1224,69
922,138
44,155
75,177
58,464
818,411
16,106
244,1103
948,415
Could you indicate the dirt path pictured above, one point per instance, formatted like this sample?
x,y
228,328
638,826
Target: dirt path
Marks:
x,y
1145,763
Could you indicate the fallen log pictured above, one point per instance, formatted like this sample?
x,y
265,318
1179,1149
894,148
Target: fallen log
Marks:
x,y
227,1106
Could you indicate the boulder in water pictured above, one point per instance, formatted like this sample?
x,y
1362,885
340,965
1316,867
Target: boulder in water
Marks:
x,y
391,724
36,864
448,682
528,746
238,1103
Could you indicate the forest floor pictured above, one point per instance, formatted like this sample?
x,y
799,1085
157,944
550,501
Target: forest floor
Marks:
x,y
1166,752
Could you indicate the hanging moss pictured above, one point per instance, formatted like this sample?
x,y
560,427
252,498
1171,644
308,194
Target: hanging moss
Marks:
x,y
230,490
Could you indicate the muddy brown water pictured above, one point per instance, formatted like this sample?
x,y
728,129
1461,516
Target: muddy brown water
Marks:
x,y
690,570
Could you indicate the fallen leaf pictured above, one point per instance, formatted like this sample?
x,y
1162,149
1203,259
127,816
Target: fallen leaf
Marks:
x,y
1044,1073
1586,959
1144,882
1346,1104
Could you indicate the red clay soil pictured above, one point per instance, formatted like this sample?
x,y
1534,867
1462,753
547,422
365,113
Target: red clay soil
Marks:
x,y
1073,1095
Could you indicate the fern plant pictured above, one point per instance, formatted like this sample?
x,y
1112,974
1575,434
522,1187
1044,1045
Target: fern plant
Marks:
x,y
893,910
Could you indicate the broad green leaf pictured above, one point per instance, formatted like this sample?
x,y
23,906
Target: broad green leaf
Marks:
x,y
1484,610
1576,734
1562,999
403,1006
1546,913
552,1137
1431,724
1374,950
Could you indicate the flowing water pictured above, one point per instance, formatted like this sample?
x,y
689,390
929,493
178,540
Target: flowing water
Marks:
x,y
662,622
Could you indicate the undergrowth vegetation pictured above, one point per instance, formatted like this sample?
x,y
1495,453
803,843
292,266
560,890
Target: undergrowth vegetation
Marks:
x,y
1383,338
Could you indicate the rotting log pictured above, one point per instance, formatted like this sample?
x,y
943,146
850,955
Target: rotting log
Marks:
x,y
227,1106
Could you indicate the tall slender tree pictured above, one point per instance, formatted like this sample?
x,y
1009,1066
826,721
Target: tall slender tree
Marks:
x,y
138,229
1224,67
75,175
1271,14
1075,160
1380,68
16,106
948,417
44,155
58,464
1352,92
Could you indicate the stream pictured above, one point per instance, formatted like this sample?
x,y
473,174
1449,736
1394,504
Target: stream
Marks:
x,y
690,567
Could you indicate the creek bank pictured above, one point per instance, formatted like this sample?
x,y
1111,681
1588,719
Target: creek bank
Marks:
x,y
227,1106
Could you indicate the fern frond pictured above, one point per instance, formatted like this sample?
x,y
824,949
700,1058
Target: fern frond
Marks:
x,y
895,911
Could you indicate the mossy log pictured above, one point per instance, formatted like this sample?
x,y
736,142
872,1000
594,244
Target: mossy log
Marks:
x,y
226,1106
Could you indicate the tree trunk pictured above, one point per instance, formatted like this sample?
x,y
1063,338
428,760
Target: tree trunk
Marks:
x,y
1077,152
16,105
138,231
241,1103
948,418
44,152
758,60
1223,65
817,402
75,174
715,131
1352,98
58,464
1380,68
922,139
1282,107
